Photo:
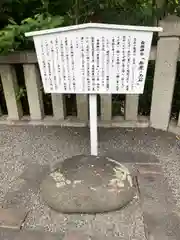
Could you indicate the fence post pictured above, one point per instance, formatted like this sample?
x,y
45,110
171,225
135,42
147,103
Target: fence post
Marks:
x,y
58,104
178,124
82,107
34,92
131,107
106,107
165,72
11,89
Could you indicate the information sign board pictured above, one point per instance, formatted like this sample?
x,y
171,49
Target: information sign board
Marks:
x,y
94,59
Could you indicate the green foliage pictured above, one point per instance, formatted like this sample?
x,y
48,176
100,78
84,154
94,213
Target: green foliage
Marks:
x,y
12,36
116,11
20,16
21,93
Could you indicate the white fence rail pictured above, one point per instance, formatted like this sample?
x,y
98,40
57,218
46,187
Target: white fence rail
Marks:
x,y
166,55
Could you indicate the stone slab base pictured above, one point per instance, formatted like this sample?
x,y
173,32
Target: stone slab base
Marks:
x,y
162,221
12,218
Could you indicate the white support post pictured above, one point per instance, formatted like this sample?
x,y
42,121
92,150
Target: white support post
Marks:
x,y
93,124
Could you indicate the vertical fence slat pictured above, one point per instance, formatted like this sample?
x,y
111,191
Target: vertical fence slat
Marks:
x,y
58,104
10,86
82,107
164,80
34,91
178,124
106,107
131,107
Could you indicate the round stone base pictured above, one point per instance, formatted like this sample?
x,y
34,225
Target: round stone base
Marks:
x,y
88,184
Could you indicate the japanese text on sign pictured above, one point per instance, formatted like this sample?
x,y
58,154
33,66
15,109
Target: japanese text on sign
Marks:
x,y
93,64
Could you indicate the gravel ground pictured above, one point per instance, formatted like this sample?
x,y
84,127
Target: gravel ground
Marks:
x,y
24,149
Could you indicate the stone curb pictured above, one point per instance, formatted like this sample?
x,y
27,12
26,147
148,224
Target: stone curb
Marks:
x,y
12,218
11,234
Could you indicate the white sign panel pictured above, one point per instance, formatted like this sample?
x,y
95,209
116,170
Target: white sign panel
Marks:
x,y
91,59
97,59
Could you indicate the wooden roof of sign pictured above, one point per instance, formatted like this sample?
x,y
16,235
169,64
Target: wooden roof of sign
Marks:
x,y
94,25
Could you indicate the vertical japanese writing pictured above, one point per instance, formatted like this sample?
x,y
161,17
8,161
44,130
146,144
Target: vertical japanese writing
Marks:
x,y
57,61
87,62
63,65
141,62
102,70
134,62
142,46
49,65
77,49
54,76
77,43
107,64
67,61
97,64
134,50
82,62
72,66
123,62
117,63
44,62
92,65
128,63
113,48
87,65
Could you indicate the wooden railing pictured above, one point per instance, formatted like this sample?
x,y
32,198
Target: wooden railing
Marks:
x,y
165,54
